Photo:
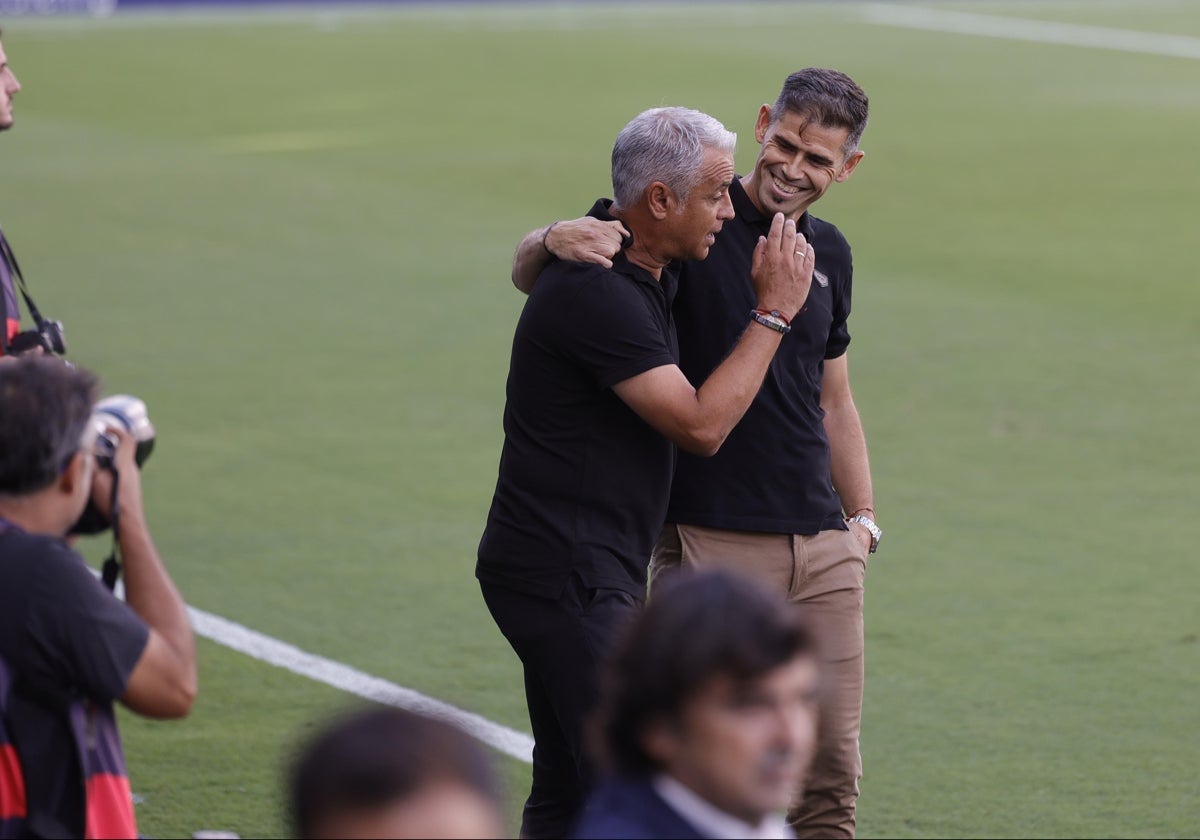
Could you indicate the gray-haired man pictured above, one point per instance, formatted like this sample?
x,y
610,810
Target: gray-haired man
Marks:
x,y
596,406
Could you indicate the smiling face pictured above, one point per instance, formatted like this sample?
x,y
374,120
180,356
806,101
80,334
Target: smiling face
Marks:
x,y
8,88
695,222
744,745
799,160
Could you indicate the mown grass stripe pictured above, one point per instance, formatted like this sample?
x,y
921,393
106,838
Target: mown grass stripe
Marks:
x,y
1025,29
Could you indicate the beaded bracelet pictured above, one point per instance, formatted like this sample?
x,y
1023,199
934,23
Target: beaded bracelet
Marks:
x,y
771,321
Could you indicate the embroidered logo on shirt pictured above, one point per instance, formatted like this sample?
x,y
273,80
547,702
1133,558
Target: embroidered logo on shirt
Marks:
x,y
821,279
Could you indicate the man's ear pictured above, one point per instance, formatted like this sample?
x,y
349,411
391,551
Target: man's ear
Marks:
x,y
762,123
660,199
76,474
850,165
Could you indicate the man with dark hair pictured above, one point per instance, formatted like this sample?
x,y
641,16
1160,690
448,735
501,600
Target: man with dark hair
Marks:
x,y
708,714
391,773
596,406
68,647
804,516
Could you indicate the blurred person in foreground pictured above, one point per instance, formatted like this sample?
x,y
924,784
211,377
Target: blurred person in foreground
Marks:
x,y
68,646
708,715
789,496
391,773
596,405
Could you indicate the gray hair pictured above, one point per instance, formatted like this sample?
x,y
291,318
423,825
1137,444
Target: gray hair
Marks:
x,y
44,409
668,145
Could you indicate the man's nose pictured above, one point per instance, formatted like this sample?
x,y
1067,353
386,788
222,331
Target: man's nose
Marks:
x,y
726,210
795,728
794,168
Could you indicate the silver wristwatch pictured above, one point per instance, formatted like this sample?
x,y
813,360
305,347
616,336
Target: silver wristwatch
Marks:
x,y
870,525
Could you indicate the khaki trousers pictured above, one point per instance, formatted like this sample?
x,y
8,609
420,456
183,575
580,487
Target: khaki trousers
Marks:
x,y
824,573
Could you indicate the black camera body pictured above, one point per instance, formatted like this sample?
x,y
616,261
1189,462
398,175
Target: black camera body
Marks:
x,y
123,412
48,335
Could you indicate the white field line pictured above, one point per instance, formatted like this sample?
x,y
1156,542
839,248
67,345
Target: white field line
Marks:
x,y
264,648
343,677
1024,29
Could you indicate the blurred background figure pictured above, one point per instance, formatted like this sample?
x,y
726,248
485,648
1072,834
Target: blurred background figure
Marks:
x,y
9,322
391,773
708,716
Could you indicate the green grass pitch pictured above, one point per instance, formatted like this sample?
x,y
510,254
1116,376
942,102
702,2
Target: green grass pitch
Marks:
x,y
290,234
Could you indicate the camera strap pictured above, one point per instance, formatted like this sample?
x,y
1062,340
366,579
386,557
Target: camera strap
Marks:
x,y
14,270
111,570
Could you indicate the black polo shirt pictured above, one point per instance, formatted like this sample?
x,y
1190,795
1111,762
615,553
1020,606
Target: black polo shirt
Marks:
x,y
583,480
772,474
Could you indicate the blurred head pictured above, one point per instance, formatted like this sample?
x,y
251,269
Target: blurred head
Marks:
x,y
716,686
8,89
390,773
45,450
809,140
671,170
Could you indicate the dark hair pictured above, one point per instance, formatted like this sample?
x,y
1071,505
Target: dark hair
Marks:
x,y
45,405
829,98
370,758
696,627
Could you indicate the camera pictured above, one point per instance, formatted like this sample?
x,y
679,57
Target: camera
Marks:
x,y
48,335
124,412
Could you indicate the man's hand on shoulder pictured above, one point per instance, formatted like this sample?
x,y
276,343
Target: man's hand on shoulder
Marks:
x,y
586,240
576,240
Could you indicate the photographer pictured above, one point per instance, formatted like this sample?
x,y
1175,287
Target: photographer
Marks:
x,y
47,336
9,323
68,647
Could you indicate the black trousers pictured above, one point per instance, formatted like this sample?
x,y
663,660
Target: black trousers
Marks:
x,y
561,644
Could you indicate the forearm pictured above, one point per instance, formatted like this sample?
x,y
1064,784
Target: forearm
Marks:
x,y
530,259
725,396
849,465
151,593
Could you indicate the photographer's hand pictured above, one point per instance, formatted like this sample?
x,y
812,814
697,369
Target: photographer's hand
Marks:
x,y
164,682
130,490
12,357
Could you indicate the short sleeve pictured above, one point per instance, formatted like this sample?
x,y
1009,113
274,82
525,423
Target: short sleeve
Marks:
x,y
81,635
839,329
608,326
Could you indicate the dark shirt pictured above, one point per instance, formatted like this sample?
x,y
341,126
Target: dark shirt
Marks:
x,y
630,808
67,648
583,480
772,474
10,323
